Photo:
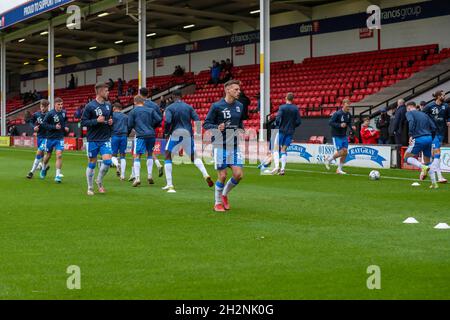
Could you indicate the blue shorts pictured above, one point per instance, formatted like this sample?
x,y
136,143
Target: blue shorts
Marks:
x,y
144,145
93,148
50,144
176,143
40,142
225,158
284,139
119,144
421,144
437,142
340,143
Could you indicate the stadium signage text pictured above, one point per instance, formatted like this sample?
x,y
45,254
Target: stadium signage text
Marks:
x,y
301,152
365,153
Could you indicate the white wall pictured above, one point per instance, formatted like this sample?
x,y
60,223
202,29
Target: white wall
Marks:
x,y
131,71
40,84
60,81
291,49
202,60
113,72
247,58
342,42
91,76
170,63
80,76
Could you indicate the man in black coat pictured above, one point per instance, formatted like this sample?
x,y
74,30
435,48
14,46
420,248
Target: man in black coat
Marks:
x,y
401,124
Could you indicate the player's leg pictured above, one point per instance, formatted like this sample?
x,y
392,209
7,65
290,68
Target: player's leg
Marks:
x,y
287,140
123,153
189,147
92,150
132,166
410,157
158,165
238,174
58,177
48,155
168,166
437,158
149,145
37,161
219,187
336,155
427,153
342,157
139,150
115,144
106,153
276,152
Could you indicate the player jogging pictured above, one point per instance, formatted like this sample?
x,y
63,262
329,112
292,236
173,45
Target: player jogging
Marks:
x,y
439,112
97,118
421,131
55,125
144,121
119,140
149,103
287,120
37,120
225,119
340,121
178,124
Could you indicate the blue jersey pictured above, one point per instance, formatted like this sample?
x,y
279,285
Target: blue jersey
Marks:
x,y
38,119
120,124
231,116
149,103
52,118
98,132
420,124
337,119
288,118
440,114
144,121
180,115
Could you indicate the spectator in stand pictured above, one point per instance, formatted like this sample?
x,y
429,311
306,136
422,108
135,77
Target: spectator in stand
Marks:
x,y
131,91
162,104
223,65
12,131
110,84
352,137
179,71
401,124
383,123
154,90
215,73
228,65
71,82
226,77
38,96
368,134
120,83
422,105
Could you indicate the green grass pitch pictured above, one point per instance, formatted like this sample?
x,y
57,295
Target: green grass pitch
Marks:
x,y
307,235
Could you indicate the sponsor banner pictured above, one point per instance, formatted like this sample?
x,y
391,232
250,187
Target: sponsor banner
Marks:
x,y
28,10
445,159
365,33
70,144
365,156
5,141
28,142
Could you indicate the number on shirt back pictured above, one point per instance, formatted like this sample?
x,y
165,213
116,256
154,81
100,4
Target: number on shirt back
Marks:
x,y
98,112
226,114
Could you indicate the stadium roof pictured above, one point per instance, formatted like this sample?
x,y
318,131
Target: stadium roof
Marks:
x,y
164,17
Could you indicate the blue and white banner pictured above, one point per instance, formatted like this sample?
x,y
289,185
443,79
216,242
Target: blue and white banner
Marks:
x,y
365,156
445,159
28,10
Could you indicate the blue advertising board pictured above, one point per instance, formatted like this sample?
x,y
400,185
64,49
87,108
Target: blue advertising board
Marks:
x,y
28,10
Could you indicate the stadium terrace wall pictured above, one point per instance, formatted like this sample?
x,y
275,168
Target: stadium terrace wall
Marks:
x,y
406,25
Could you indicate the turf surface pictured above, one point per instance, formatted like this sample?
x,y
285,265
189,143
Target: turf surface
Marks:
x,y
307,235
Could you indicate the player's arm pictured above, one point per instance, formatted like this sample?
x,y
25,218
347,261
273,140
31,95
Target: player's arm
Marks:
x,y
279,116
156,119
131,121
211,119
298,121
87,120
46,122
167,121
411,123
194,115
333,121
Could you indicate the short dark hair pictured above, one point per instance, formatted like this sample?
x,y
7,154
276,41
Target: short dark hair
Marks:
x,y
45,103
100,85
411,103
143,92
423,103
139,100
365,118
117,105
58,100
231,82
438,93
290,97
177,93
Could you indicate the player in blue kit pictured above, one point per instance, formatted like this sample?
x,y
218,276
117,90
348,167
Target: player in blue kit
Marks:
x,y
150,104
178,125
340,122
54,124
97,117
37,120
422,131
287,120
439,112
119,140
225,120
144,121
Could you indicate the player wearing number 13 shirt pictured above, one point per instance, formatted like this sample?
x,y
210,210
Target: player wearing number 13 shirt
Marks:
x,y
225,120
97,117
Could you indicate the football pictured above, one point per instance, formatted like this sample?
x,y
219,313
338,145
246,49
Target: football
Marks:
x,y
374,175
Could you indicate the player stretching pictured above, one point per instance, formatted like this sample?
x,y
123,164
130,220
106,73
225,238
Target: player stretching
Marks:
x,y
422,131
225,118
144,121
97,118
179,116
119,140
440,114
38,118
340,121
55,125
288,118
149,103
